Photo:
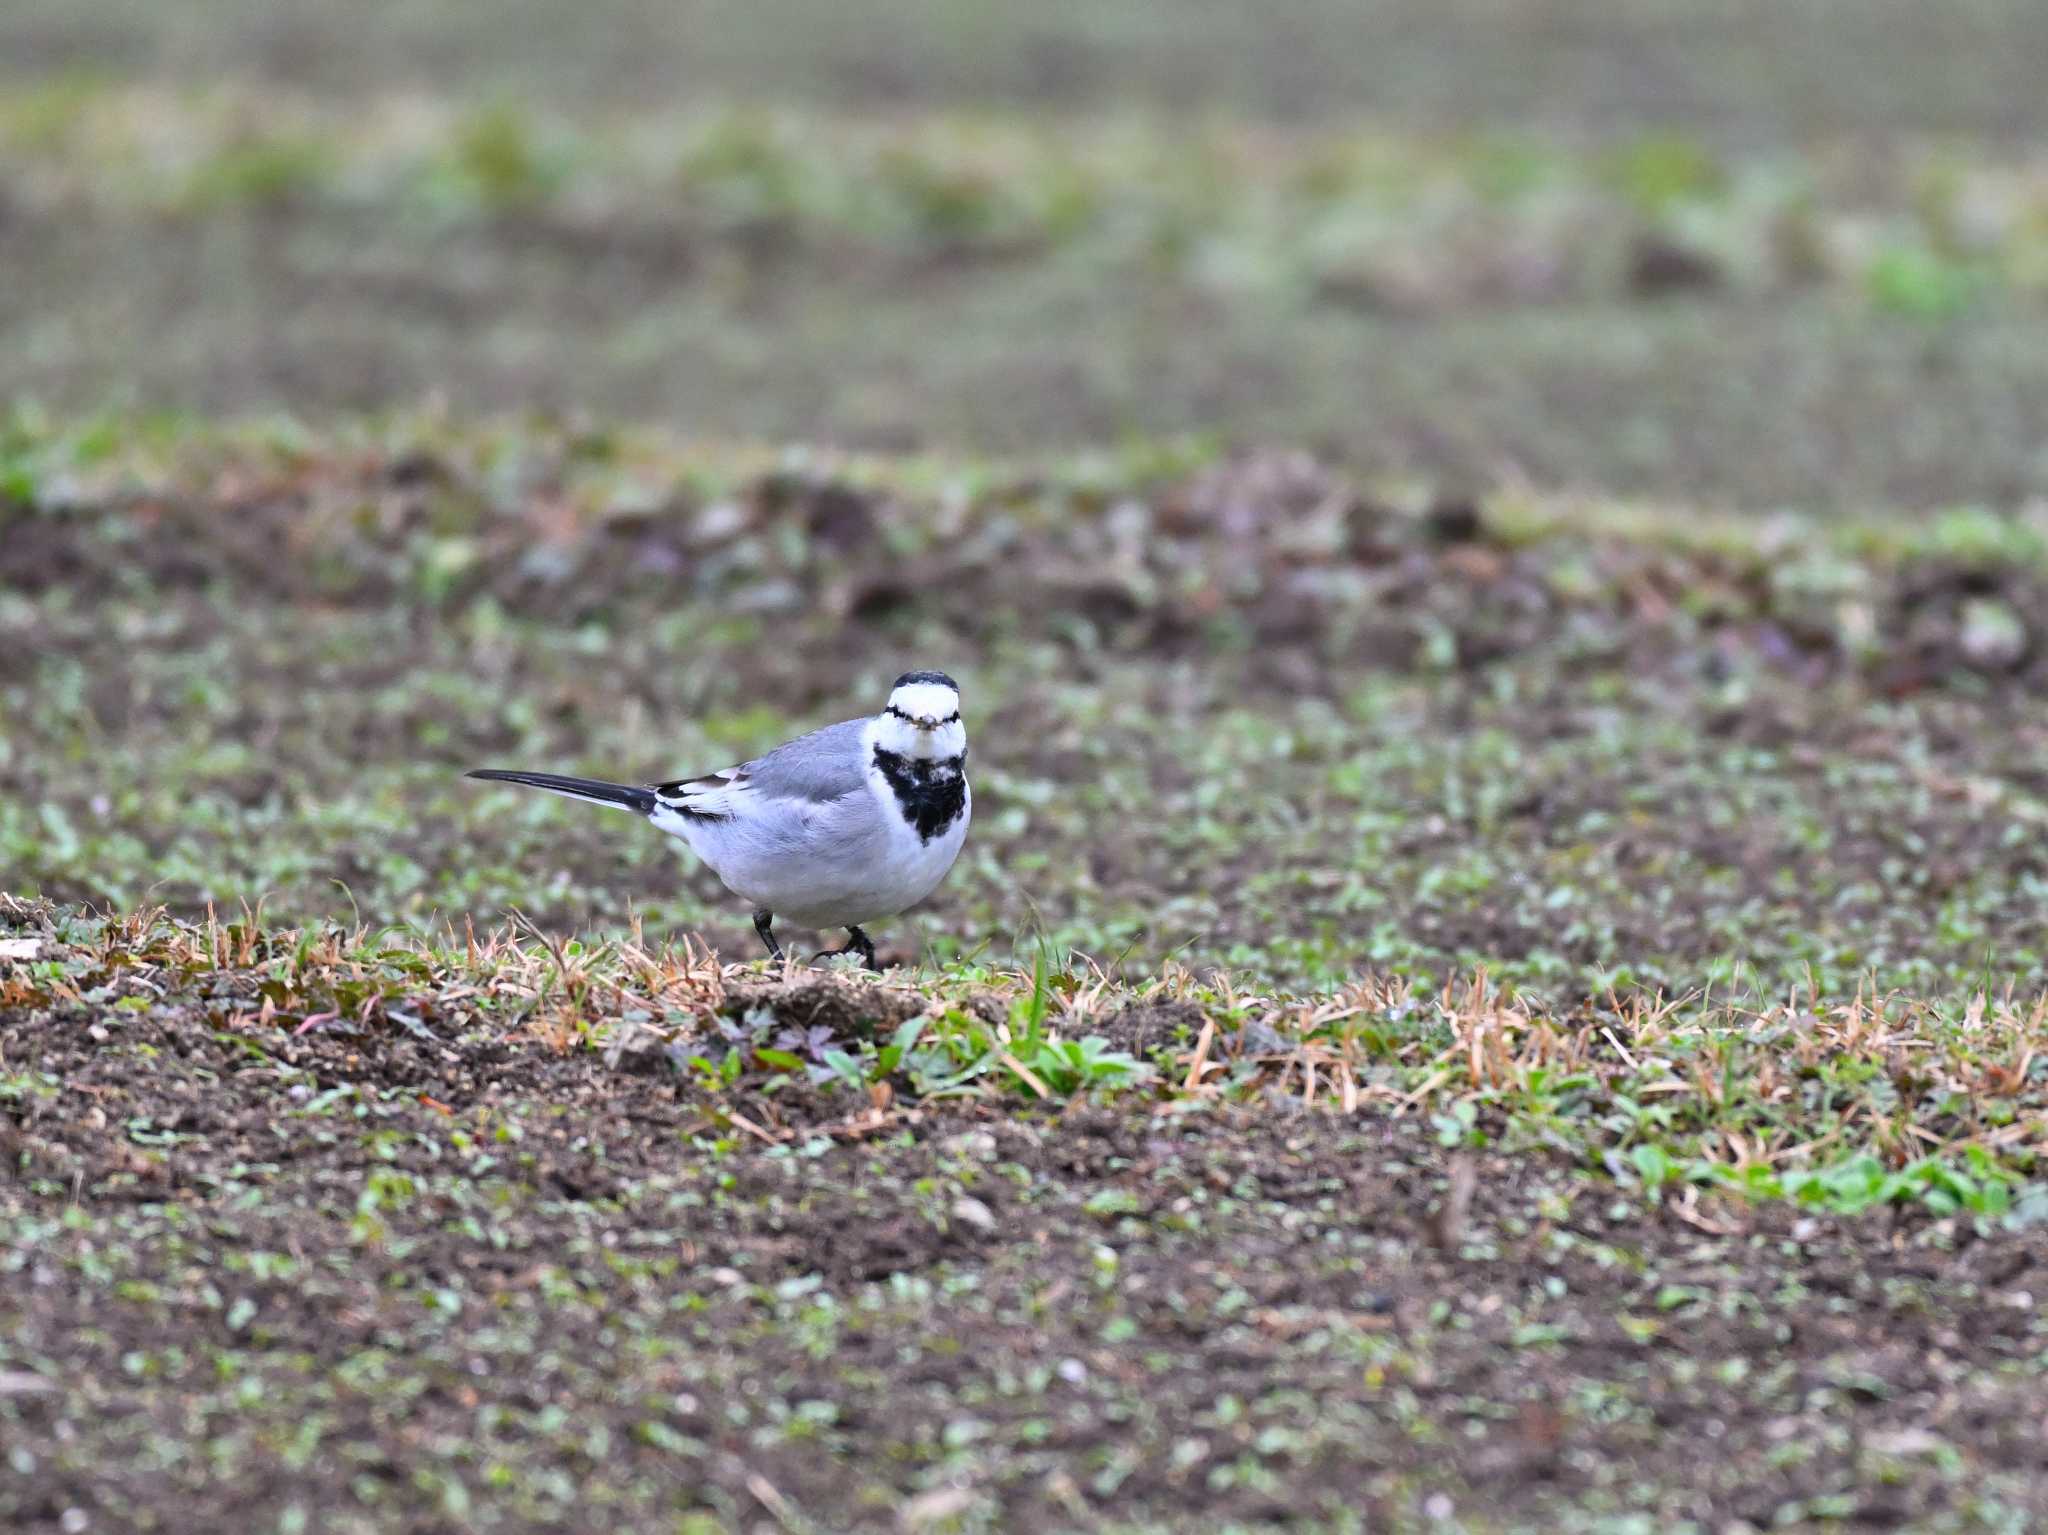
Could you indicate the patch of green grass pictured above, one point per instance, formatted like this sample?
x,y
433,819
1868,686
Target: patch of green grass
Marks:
x,y
268,174
496,157
1661,171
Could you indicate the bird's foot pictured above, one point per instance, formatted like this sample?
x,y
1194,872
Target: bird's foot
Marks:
x,y
857,942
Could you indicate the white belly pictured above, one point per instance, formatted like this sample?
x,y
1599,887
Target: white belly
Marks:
x,y
850,862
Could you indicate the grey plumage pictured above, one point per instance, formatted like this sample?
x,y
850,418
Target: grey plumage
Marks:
x,y
822,765
846,824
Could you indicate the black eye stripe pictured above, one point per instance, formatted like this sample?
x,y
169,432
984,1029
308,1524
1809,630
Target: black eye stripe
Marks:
x,y
951,719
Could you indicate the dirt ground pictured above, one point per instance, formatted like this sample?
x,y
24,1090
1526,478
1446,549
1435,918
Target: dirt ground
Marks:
x,y
388,1279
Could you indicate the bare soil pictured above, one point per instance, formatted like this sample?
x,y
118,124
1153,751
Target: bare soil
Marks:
x,y
253,1276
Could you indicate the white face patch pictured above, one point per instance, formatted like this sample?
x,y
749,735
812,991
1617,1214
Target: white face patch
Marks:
x,y
927,703
922,720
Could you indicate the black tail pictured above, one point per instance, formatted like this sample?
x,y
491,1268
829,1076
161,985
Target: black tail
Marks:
x,y
596,790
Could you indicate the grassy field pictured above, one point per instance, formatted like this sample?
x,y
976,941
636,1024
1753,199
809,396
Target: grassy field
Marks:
x,y
1497,559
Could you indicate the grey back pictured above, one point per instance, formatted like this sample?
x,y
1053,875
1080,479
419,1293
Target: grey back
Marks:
x,y
824,765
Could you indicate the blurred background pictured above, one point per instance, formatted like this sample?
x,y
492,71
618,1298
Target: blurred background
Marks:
x,y
1749,252
1552,484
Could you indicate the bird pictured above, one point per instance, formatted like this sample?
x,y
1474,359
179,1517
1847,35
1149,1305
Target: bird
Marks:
x,y
836,829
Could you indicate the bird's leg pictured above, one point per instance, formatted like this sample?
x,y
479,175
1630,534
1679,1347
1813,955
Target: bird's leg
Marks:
x,y
764,924
857,942
856,939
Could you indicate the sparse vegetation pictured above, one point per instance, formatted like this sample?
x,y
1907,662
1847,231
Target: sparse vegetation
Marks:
x,y
1451,305
1500,977
1406,223
1838,1104
709,1210
1668,886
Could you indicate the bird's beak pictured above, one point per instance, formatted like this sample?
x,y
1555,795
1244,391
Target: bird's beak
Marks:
x,y
927,722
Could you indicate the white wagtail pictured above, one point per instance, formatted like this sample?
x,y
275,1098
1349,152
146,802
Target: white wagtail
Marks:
x,y
843,826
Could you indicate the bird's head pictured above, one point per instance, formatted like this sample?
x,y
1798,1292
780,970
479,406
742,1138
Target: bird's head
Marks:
x,y
923,717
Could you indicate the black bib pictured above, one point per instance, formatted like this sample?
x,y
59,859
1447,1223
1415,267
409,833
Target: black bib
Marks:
x,y
932,794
